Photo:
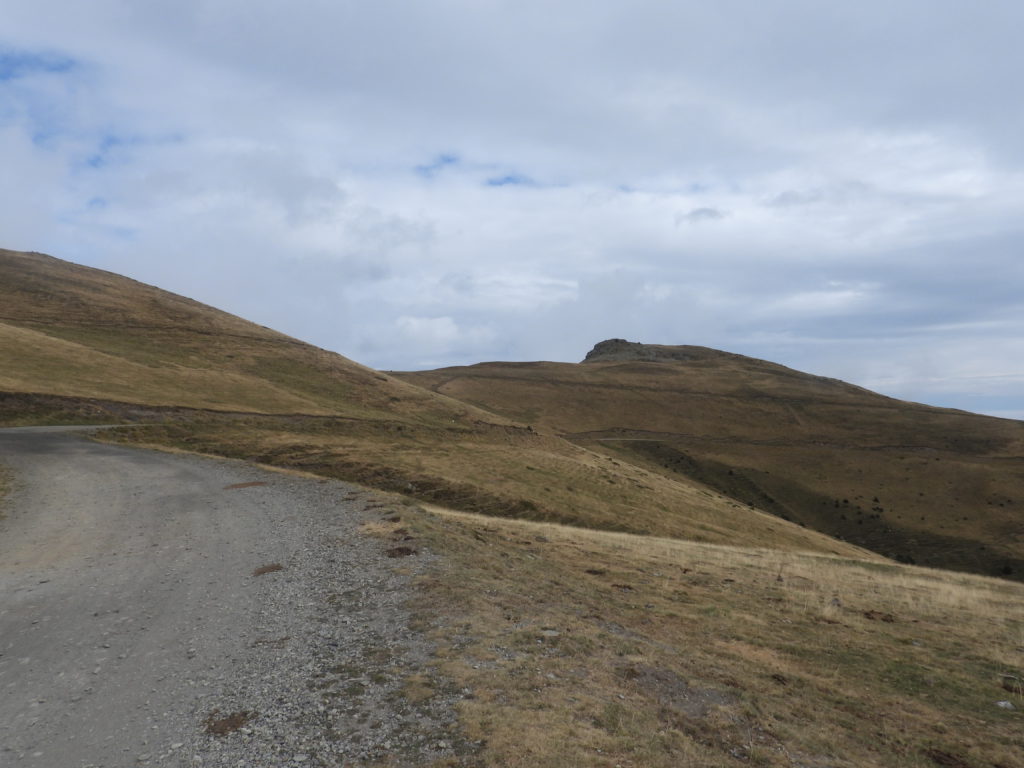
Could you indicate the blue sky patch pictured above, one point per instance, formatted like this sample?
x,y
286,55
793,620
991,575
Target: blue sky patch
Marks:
x,y
511,180
102,154
16,64
438,164
112,148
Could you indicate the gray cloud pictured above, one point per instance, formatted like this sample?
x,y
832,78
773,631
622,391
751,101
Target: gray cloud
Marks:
x,y
698,215
438,183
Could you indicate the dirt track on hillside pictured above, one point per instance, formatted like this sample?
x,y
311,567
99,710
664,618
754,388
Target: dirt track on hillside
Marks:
x,y
133,623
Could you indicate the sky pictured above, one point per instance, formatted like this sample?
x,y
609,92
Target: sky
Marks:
x,y
838,187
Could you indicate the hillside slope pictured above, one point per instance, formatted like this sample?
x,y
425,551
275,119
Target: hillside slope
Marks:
x,y
71,330
928,485
80,344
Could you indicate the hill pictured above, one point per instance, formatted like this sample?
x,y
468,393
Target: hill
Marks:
x,y
79,344
928,485
721,636
74,331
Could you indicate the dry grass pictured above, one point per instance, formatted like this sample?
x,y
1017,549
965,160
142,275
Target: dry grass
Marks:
x,y
499,470
73,331
929,485
590,648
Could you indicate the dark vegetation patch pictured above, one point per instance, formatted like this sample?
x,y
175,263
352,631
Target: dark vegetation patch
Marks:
x,y
19,409
1013,684
860,520
946,759
879,616
674,693
217,724
271,568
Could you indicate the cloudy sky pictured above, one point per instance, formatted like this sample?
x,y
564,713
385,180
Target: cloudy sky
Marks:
x,y
835,186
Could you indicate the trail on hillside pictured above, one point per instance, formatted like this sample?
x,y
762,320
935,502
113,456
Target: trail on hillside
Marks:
x,y
177,611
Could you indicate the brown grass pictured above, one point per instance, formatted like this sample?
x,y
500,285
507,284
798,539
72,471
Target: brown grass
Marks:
x,y
78,332
592,648
499,470
930,485
217,724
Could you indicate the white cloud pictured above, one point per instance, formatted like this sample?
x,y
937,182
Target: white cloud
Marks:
x,y
430,330
674,176
820,303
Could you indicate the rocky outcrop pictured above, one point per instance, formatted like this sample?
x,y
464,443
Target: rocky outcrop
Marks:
x,y
620,350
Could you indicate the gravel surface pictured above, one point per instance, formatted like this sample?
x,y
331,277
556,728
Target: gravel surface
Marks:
x,y
170,610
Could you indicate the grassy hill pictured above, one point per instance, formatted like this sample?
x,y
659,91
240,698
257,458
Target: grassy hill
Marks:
x,y
81,332
929,485
79,344
611,607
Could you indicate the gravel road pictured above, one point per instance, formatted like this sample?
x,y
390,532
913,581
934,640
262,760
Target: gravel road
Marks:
x,y
135,631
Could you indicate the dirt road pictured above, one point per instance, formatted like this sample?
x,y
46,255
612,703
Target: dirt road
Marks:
x,y
132,624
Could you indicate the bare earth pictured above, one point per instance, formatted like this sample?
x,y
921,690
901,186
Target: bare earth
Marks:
x,y
132,623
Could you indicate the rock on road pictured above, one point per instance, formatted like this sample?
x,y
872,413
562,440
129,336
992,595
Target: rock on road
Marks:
x,y
131,619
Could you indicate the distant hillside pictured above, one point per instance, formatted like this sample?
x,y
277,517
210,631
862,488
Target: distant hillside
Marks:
x,y
82,345
927,485
81,332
